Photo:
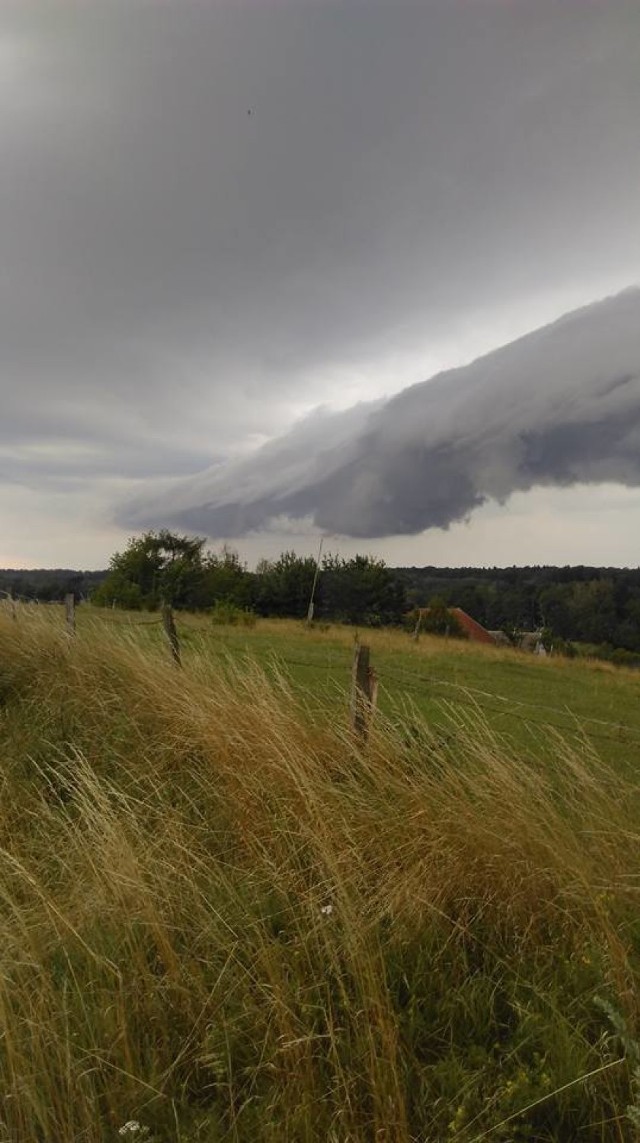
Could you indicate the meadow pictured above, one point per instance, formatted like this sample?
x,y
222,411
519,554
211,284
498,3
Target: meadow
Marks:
x,y
521,696
222,918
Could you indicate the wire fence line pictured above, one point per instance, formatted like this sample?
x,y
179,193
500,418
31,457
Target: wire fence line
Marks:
x,y
142,623
417,682
468,695
563,712
565,728
411,679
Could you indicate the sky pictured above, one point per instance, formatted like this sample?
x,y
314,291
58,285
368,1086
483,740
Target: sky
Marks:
x,y
230,224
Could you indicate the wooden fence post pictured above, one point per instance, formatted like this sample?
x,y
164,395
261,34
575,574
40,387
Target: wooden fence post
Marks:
x,y
364,692
70,613
170,631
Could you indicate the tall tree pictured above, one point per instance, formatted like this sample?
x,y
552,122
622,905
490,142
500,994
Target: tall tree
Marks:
x,y
283,587
155,567
361,590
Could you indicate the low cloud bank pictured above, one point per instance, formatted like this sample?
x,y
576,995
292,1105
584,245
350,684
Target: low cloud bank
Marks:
x,y
560,406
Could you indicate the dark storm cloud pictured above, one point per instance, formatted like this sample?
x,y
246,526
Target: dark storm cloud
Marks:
x,y
560,406
175,268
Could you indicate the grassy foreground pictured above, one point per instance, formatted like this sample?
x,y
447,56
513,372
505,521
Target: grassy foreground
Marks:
x,y
221,920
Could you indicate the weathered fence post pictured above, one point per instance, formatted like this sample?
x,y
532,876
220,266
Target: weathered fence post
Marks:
x,y
70,613
170,631
364,692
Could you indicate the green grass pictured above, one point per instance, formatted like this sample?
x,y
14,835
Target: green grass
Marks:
x,y
224,919
520,695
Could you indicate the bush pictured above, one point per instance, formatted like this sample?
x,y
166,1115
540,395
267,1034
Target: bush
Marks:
x,y
625,658
436,619
227,614
562,647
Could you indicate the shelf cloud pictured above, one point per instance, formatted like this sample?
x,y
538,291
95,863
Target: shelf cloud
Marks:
x,y
560,406
218,216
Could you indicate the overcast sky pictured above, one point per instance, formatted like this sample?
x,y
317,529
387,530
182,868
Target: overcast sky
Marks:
x,y
217,216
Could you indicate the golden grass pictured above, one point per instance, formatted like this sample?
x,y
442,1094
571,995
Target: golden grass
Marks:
x,y
226,921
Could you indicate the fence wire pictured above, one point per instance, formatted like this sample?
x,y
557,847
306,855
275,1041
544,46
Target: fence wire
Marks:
x,y
563,712
418,682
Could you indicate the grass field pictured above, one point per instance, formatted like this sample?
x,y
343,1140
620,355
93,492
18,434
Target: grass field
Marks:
x,y
521,696
222,919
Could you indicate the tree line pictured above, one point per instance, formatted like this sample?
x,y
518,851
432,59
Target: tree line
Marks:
x,y
162,567
48,584
598,606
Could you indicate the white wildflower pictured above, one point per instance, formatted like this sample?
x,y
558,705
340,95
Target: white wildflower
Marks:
x,y
326,910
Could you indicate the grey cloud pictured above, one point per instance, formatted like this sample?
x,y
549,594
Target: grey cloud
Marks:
x,y
560,406
34,464
175,267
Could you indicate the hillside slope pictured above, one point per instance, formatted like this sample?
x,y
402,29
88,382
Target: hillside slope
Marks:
x,y
224,921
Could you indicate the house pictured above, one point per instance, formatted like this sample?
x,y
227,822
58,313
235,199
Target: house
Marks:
x,y
472,629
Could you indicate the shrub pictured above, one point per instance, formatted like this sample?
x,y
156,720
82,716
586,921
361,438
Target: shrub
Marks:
x,y
227,614
436,619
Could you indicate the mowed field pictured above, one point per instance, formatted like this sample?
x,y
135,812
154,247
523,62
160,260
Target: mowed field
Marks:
x,y
224,918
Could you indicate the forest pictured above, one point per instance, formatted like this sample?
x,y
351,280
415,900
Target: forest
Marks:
x,y
590,605
595,606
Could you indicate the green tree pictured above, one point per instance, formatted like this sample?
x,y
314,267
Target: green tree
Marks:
x,y
283,587
154,567
437,619
593,611
362,591
226,580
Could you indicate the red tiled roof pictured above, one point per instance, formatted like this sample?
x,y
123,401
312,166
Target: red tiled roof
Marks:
x,y
471,628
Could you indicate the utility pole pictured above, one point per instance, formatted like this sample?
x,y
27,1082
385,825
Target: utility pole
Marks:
x,y
313,586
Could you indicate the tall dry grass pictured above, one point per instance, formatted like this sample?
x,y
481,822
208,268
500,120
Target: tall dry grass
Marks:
x,y
222,920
